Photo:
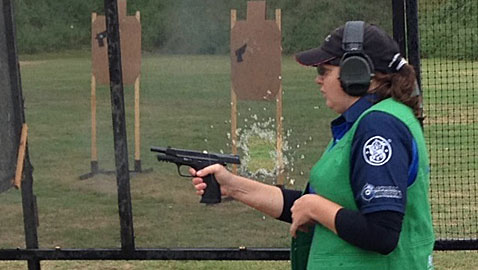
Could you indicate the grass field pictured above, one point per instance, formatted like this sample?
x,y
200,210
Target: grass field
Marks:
x,y
185,103
450,126
459,260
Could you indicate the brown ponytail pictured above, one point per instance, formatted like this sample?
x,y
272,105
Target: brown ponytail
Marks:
x,y
400,86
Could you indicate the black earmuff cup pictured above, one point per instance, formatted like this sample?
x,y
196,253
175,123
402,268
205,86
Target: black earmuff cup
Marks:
x,y
355,75
356,68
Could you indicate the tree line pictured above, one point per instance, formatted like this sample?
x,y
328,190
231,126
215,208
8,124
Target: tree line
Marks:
x,y
203,26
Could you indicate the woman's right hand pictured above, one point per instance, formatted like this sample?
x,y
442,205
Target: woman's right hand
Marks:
x,y
265,198
222,175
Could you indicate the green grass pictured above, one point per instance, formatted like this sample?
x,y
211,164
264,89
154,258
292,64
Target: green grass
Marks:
x,y
457,260
260,152
450,126
150,265
185,103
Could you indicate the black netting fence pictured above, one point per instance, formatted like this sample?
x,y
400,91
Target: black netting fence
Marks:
x,y
449,34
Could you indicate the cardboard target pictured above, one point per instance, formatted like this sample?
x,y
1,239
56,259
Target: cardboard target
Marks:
x,y
130,40
256,55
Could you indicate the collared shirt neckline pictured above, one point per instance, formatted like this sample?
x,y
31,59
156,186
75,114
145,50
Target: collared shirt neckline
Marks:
x,y
344,122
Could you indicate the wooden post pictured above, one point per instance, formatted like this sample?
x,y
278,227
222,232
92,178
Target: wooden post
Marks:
x,y
279,118
94,151
137,118
17,182
137,136
233,105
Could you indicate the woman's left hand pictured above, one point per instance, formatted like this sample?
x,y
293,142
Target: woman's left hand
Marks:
x,y
302,213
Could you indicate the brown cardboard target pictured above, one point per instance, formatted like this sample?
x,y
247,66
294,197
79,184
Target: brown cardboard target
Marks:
x,y
256,55
130,40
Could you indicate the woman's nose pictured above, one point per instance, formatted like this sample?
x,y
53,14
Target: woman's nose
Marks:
x,y
319,80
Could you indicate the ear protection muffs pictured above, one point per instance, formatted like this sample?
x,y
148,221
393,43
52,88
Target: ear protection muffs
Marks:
x,y
356,68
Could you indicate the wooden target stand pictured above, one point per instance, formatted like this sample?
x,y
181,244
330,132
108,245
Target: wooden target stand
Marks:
x,y
130,28
256,69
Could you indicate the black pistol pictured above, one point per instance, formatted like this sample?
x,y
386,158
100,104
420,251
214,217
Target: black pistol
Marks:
x,y
198,160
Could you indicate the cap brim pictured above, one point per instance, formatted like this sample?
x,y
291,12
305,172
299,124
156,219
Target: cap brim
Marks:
x,y
314,57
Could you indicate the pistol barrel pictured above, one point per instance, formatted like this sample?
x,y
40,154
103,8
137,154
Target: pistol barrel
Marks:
x,y
221,158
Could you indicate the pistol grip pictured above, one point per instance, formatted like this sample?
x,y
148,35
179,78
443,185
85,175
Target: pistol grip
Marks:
x,y
212,193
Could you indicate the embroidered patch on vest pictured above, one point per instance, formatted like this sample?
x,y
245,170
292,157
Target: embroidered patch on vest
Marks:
x,y
370,192
377,151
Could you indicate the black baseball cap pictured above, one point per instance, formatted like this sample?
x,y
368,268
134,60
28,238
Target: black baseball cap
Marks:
x,y
377,44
